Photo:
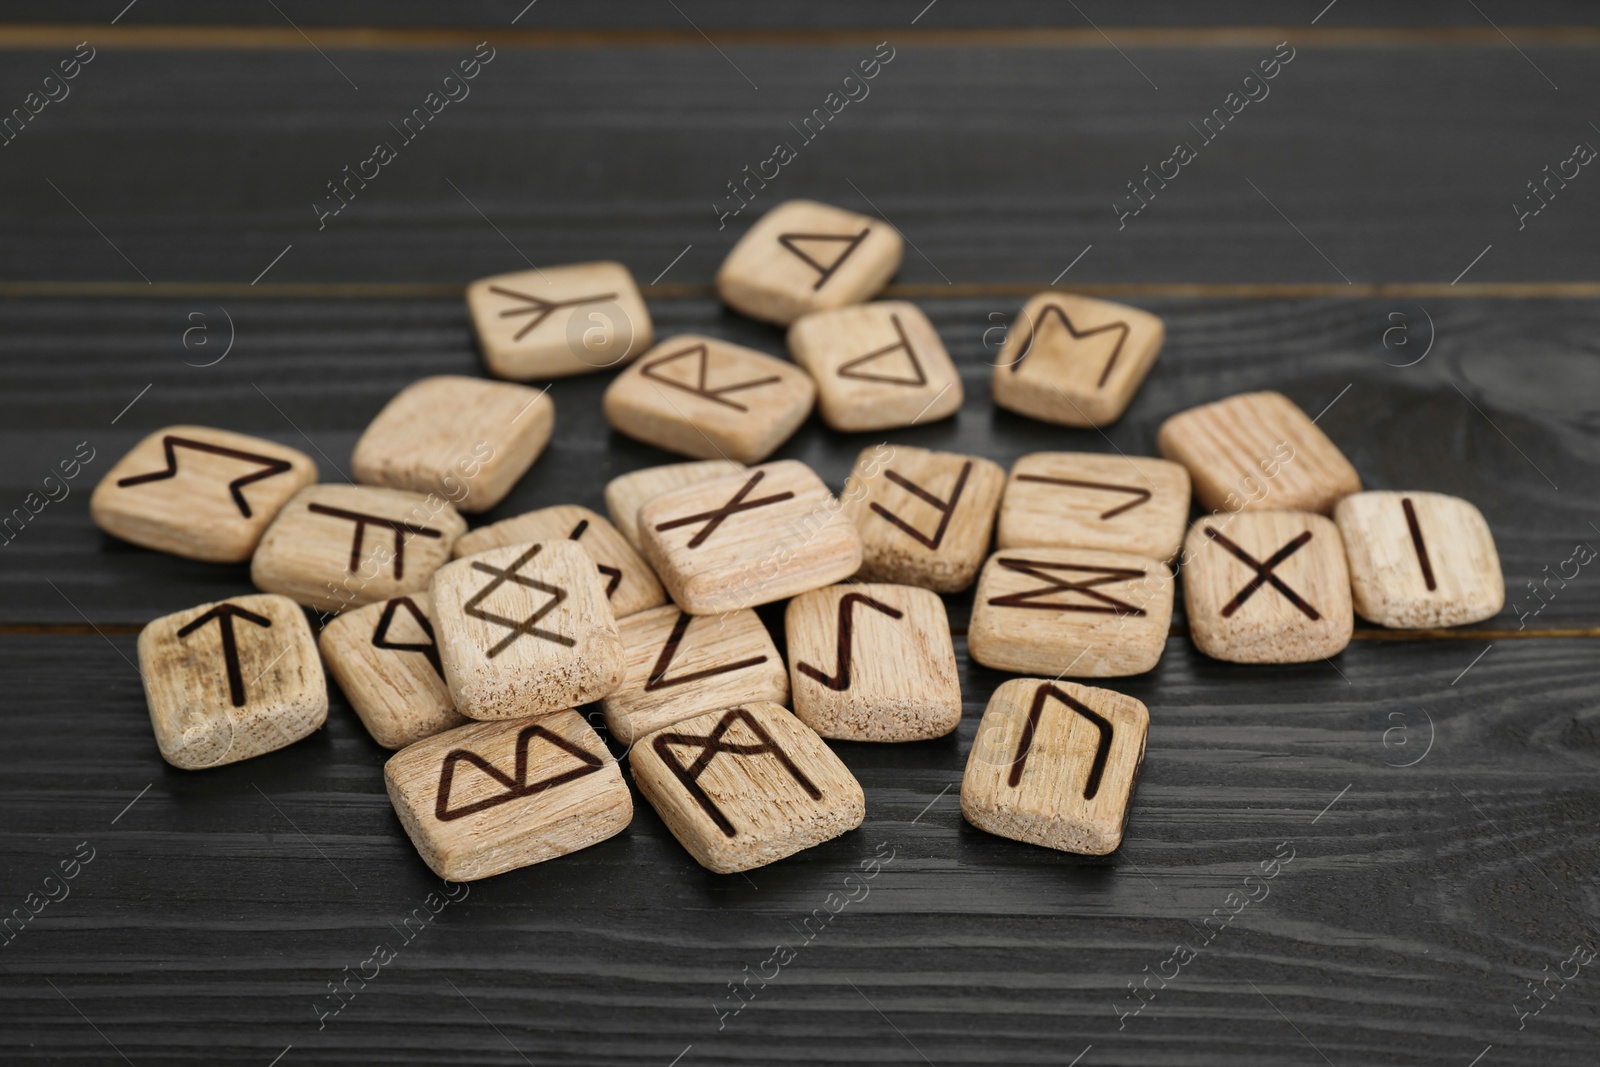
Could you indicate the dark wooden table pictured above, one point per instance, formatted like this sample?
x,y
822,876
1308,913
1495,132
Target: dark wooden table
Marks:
x,y
1439,791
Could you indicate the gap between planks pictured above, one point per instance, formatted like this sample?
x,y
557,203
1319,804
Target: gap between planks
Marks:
x,y
276,38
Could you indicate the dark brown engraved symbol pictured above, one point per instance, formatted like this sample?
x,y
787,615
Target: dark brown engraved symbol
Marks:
x,y
1264,574
516,784
1077,335
1025,743
841,680
1097,576
541,308
528,625
788,240
1417,543
612,573
170,444
715,516
225,614
848,370
710,746
658,674
380,634
700,389
363,520
1140,496
946,508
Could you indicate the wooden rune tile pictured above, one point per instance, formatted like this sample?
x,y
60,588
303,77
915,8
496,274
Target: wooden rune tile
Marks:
x,y
750,538
746,786
1074,612
1419,560
558,321
925,517
1258,452
200,493
1054,764
386,660
490,797
627,493
1075,361
525,630
231,680
682,665
334,547
873,662
877,366
710,399
466,439
804,256
1267,587
1090,500
631,586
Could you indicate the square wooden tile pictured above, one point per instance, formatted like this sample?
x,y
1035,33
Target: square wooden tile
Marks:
x,y
1258,452
1054,764
467,439
1075,361
804,256
491,797
682,665
630,585
877,366
710,399
386,660
1419,560
334,547
750,538
746,786
627,493
559,321
525,630
873,662
200,493
925,517
231,680
1267,587
1091,500
1078,612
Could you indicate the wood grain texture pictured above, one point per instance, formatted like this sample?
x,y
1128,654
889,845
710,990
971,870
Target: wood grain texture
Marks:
x,y
803,256
385,658
878,366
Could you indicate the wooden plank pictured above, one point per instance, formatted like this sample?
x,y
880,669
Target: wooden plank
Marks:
x,y
1419,903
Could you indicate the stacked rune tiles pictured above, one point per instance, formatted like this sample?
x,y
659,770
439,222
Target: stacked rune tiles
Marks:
x,y
468,650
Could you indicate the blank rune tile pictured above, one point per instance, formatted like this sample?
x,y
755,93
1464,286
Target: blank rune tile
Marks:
x,y
627,493
873,662
1419,559
489,797
804,256
710,399
1054,764
197,492
466,439
746,786
525,630
1090,500
340,546
386,661
231,680
750,538
1267,587
1076,612
1258,452
559,321
877,366
1075,361
925,517
682,665
631,586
